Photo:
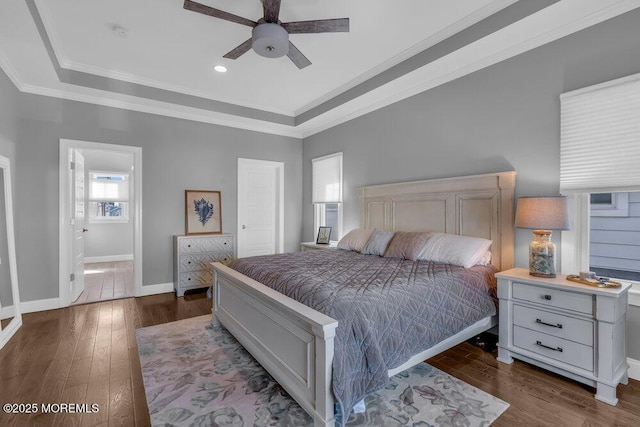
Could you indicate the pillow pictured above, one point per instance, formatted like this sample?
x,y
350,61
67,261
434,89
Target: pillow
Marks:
x,y
457,250
407,244
485,259
355,240
378,242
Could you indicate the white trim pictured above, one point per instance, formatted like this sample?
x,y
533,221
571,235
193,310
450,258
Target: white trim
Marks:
x,y
451,30
547,25
66,146
41,305
634,369
108,258
16,322
160,288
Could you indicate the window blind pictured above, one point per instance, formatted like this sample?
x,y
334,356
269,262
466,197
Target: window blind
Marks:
x,y
327,179
600,138
102,189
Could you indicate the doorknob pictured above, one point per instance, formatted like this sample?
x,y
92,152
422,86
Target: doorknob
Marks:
x,y
244,226
84,230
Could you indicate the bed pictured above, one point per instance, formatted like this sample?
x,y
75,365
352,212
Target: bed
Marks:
x,y
295,343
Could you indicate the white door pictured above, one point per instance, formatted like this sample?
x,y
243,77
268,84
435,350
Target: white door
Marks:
x,y
78,225
260,207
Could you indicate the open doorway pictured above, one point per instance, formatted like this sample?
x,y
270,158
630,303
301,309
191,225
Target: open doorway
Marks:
x,y
107,232
100,227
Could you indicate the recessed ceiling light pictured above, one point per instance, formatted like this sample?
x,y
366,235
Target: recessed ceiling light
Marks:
x,y
220,68
120,31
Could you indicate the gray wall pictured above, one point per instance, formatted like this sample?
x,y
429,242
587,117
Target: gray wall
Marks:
x,y
108,239
505,117
176,155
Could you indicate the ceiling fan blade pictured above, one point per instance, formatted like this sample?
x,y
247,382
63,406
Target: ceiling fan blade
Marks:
x,y
238,51
339,25
297,57
271,10
216,13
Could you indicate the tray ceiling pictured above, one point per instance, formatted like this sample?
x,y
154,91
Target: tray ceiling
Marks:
x,y
155,56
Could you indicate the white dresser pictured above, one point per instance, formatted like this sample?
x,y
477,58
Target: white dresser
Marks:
x,y
571,329
192,258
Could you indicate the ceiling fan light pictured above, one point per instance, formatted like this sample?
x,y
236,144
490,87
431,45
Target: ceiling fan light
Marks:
x,y
270,40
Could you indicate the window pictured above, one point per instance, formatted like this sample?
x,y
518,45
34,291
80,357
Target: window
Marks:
x,y
599,154
108,196
327,193
614,239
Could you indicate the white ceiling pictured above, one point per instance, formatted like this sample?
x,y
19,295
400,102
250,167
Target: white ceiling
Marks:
x,y
174,49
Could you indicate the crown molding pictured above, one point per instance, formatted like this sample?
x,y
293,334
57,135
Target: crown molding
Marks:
x,y
423,79
165,109
464,61
440,36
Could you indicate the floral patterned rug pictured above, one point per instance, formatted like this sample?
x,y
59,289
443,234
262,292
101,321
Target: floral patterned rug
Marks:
x,y
198,375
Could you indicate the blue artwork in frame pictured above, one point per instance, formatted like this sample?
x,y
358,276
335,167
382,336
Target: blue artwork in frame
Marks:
x,y
203,212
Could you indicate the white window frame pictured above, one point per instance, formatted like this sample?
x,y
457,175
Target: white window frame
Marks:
x,y
319,209
320,220
125,217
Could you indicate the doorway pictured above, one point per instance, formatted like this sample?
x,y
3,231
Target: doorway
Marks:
x,y
100,222
260,207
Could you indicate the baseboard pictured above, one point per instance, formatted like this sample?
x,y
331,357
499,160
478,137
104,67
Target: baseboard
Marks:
x,y
108,258
40,305
160,288
634,369
7,312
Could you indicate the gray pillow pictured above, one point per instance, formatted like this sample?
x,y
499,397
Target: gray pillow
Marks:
x,y
378,242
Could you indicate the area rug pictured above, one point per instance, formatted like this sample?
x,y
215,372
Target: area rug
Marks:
x,y
198,375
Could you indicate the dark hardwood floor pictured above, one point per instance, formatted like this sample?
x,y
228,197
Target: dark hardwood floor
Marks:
x,y
88,354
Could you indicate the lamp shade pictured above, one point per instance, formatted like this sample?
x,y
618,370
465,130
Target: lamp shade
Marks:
x,y
549,213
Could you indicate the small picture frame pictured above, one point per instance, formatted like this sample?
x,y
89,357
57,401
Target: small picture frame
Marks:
x,y
324,233
203,212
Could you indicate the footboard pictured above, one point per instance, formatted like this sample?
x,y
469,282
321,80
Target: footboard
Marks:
x,y
293,342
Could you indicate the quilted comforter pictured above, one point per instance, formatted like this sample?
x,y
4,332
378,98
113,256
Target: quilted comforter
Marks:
x,y
387,309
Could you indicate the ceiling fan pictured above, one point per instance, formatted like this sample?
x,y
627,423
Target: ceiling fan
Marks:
x,y
270,37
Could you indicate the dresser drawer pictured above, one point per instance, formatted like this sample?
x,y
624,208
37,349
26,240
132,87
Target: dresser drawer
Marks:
x,y
194,262
581,303
205,244
555,324
196,279
559,349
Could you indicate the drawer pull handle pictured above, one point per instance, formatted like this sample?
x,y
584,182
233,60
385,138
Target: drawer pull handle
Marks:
x,y
547,297
550,348
557,325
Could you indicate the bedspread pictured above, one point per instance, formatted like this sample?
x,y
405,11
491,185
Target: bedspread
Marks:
x,y
388,309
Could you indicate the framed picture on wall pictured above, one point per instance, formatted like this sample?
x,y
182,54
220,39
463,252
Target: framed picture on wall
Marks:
x,y
324,233
203,212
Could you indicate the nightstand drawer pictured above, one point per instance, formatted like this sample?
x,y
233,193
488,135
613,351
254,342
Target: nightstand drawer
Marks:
x,y
565,351
554,324
582,303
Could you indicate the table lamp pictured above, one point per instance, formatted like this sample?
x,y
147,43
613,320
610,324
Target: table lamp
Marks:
x,y
542,214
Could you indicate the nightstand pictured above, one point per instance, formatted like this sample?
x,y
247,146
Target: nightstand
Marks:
x,y
312,246
574,330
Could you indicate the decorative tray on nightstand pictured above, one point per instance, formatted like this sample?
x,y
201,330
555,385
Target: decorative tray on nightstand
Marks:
x,y
598,283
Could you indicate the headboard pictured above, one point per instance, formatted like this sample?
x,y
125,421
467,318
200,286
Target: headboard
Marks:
x,y
477,205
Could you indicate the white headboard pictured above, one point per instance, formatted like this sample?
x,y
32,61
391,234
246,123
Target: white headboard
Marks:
x,y
477,205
